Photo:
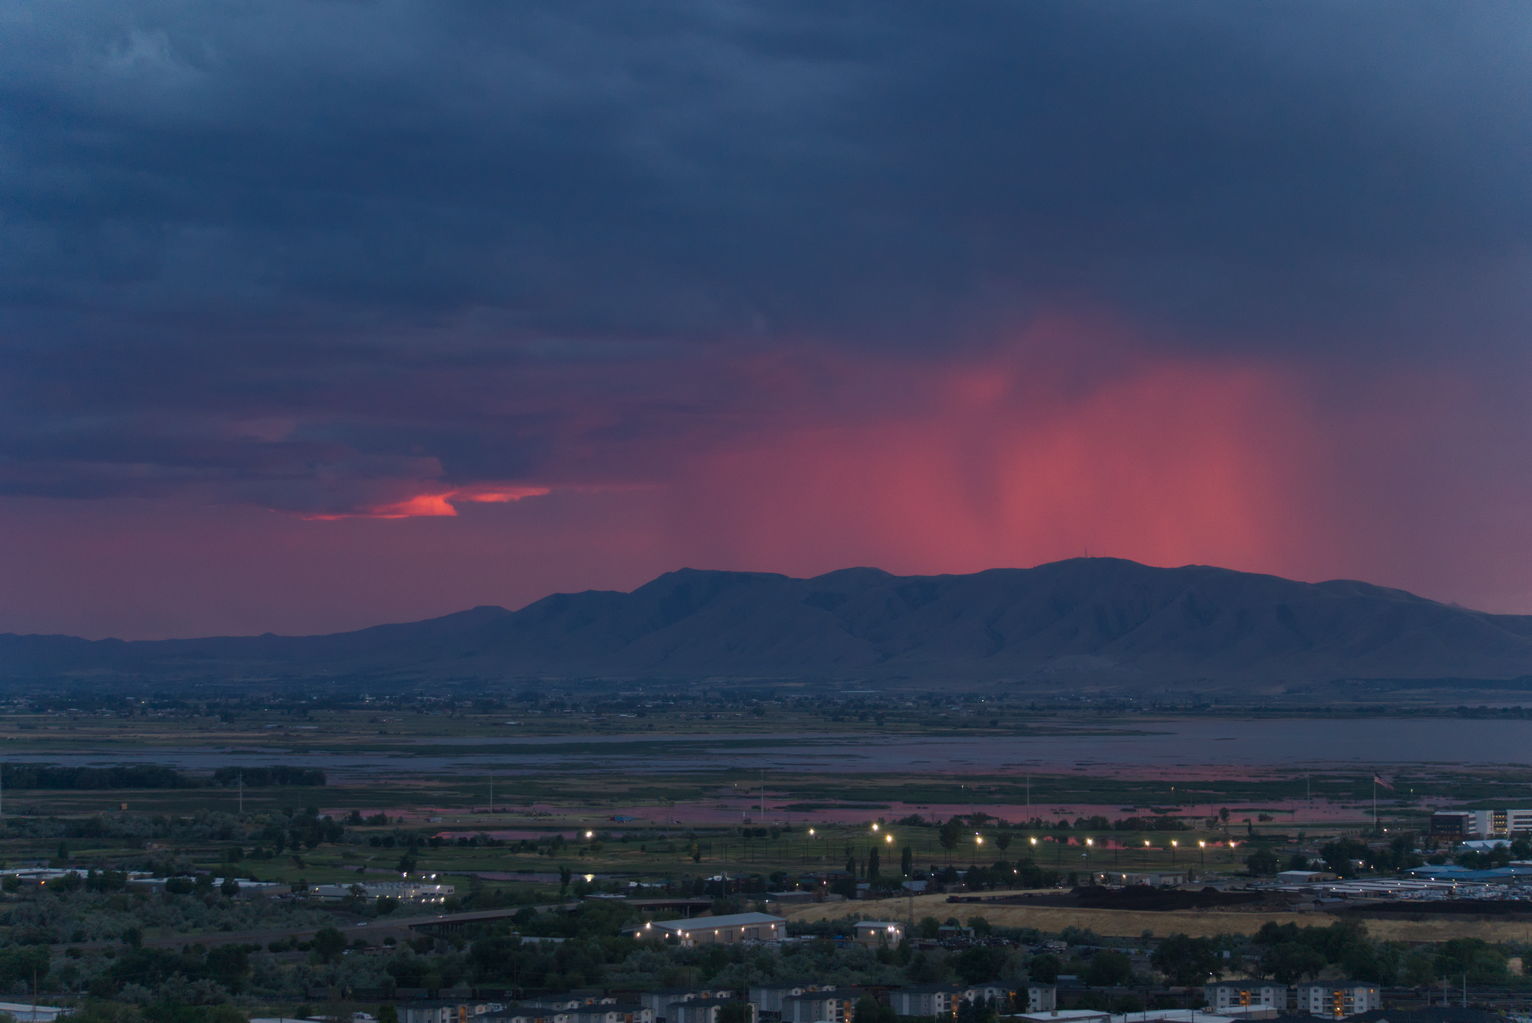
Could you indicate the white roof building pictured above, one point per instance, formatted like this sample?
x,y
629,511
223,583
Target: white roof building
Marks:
x,y
719,930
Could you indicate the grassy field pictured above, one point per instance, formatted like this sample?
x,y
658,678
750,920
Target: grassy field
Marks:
x,y
1130,924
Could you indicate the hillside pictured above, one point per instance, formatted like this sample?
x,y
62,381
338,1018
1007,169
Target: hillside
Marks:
x,y
1099,619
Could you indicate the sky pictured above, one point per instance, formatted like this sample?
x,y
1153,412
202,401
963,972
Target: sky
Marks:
x,y
321,313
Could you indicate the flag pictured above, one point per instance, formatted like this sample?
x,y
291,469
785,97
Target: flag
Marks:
x,y
1377,779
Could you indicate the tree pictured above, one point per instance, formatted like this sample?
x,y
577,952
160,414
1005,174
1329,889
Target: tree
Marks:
x,y
23,963
980,1010
907,861
230,887
1185,961
1108,968
1044,968
1290,961
1003,840
1342,854
328,944
867,1010
1418,969
228,965
1262,863
873,866
949,835
1478,960
388,1014
979,963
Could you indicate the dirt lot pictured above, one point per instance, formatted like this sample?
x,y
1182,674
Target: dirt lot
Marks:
x,y
1198,923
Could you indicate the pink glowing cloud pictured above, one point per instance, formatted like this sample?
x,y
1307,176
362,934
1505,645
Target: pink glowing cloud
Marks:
x,y
434,505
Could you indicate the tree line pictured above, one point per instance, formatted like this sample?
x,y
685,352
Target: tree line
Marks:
x,y
153,776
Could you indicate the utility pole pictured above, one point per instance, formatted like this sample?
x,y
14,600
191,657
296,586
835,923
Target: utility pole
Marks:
x,y
241,786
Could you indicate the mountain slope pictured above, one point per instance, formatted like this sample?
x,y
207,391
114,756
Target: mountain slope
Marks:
x,y
1102,619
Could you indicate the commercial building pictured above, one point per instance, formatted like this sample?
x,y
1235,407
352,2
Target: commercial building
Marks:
x,y
878,933
1465,824
716,930
423,892
1062,1016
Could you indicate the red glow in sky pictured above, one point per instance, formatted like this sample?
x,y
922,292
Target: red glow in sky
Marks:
x,y
433,505
1072,439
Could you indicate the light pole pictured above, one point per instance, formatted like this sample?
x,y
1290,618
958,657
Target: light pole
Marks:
x,y
1089,844
978,847
1202,851
1173,846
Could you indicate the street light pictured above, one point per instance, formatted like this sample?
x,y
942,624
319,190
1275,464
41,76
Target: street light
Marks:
x,y
1173,846
1202,850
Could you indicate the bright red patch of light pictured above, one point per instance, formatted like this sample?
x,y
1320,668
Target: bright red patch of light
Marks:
x,y
435,505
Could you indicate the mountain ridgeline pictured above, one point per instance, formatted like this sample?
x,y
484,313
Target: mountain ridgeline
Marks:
x,y
1087,620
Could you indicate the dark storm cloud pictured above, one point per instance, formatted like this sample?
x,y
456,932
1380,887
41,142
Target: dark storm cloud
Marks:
x,y
318,255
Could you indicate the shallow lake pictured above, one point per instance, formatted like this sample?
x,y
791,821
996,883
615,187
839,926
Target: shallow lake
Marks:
x,y
1174,745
